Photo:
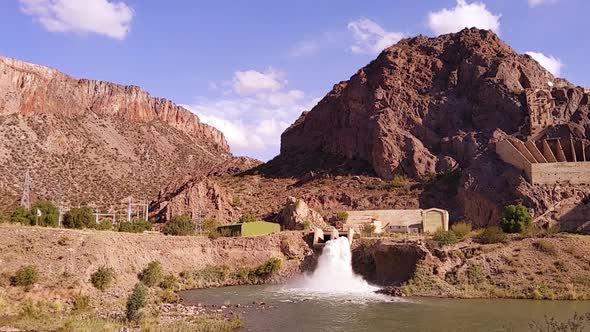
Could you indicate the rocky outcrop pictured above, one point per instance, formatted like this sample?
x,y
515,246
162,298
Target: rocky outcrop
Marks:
x,y
420,101
95,142
387,262
200,198
296,215
432,105
234,166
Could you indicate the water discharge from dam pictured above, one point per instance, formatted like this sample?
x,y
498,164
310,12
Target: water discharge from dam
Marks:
x,y
334,274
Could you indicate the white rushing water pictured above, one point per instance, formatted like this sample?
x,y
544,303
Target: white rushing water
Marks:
x,y
334,274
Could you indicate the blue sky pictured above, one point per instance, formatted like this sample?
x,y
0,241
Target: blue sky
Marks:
x,y
251,67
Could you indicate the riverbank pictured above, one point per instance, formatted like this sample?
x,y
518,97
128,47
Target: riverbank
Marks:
x,y
59,266
549,267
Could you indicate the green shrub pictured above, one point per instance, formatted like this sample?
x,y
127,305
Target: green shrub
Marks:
x,y
461,229
152,274
26,276
368,230
21,216
105,224
136,301
545,246
554,229
475,275
79,218
248,217
493,234
180,226
135,226
169,296
210,225
342,216
81,303
103,278
169,282
399,181
516,219
269,267
444,238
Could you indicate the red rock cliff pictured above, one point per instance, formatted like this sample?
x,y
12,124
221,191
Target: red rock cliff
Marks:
x,y
28,88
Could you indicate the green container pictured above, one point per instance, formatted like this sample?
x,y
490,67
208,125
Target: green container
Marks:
x,y
248,229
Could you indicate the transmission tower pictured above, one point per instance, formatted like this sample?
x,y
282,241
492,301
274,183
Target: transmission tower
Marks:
x,y
25,200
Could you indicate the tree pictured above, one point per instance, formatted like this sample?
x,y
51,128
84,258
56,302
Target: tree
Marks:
x,y
49,214
79,218
516,219
136,301
180,225
21,216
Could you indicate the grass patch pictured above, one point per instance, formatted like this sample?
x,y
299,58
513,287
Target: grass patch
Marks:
x,y
492,235
201,324
444,238
545,246
461,230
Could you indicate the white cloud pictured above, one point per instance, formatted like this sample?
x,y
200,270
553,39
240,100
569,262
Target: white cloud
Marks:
x,y
251,81
103,17
549,62
463,15
304,48
254,119
534,3
370,37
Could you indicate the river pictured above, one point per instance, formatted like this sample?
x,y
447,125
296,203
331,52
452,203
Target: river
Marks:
x,y
302,312
333,298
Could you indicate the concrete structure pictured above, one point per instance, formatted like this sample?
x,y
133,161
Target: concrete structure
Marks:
x,y
399,221
320,237
555,164
256,228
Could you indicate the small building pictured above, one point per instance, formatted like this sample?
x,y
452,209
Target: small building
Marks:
x,y
247,229
400,221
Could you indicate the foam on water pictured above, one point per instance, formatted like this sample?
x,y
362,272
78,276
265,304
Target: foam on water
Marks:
x,y
334,275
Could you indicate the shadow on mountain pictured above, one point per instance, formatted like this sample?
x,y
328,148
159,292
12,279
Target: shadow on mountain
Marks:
x,y
312,163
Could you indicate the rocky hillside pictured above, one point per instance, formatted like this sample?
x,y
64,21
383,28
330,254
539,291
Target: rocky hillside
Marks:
x,y
94,141
430,105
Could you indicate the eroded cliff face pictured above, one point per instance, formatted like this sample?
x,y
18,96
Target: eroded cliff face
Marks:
x,y
28,89
96,142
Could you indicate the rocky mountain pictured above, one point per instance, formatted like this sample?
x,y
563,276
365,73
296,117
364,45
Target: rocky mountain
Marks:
x,y
427,106
94,141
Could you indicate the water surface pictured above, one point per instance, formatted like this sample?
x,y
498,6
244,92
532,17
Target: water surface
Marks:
x,y
295,310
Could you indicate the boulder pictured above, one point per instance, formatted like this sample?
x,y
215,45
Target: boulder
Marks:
x,y
296,215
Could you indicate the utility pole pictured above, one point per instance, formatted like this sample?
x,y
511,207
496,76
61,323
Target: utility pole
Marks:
x,y
143,211
25,200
